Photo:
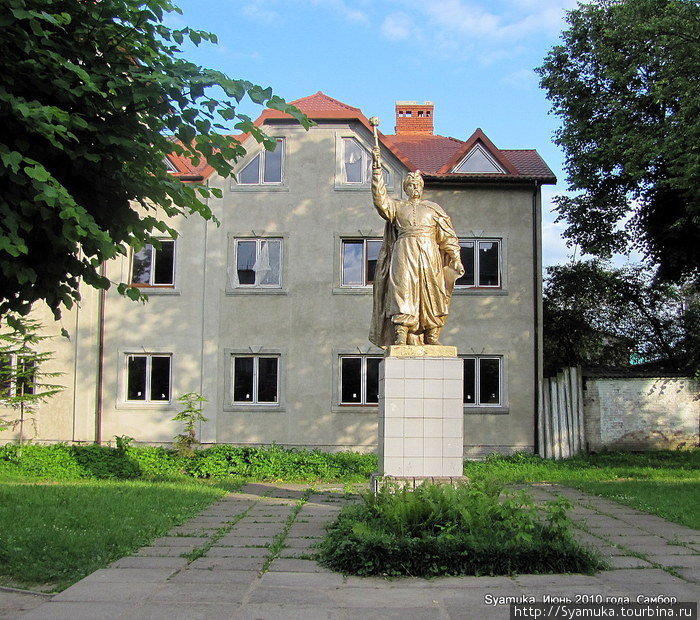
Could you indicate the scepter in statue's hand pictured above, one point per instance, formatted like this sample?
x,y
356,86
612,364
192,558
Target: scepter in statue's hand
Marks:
x,y
376,152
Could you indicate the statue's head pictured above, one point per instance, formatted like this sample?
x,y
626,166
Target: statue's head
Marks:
x,y
413,184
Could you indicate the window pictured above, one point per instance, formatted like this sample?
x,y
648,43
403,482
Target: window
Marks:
x,y
17,376
255,379
359,261
357,163
154,266
266,167
257,263
359,379
482,263
148,378
482,381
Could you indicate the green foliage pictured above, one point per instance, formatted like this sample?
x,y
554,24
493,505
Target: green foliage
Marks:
x,y
191,414
597,315
55,534
93,96
23,380
626,84
436,530
665,483
64,462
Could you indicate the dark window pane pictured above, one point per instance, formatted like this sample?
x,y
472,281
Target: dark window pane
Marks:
x,y
141,267
160,378
350,380
353,265
466,251
25,375
489,382
373,248
5,375
469,381
245,261
488,263
373,379
268,263
251,173
165,263
243,379
136,378
273,164
267,379
353,161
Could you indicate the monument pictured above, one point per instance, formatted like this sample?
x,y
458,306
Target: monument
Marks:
x,y
420,380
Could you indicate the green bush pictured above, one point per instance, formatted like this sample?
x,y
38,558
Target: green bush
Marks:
x,y
64,462
435,530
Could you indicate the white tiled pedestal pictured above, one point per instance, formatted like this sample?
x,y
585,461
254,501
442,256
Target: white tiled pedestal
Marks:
x,y
420,416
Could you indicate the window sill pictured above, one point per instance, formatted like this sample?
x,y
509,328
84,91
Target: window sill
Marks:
x,y
357,187
350,290
139,406
481,410
236,187
158,290
255,408
480,292
372,409
256,291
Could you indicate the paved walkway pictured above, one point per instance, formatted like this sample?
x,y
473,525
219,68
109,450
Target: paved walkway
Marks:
x,y
248,557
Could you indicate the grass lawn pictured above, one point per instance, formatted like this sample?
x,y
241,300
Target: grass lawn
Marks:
x,y
55,533
665,483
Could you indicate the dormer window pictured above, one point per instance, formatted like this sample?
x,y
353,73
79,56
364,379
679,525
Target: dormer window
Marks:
x,y
265,168
479,160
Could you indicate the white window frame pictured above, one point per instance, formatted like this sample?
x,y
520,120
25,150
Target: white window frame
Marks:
x,y
149,376
234,267
12,390
477,404
154,258
363,379
262,154
256,383
342,181
484,152
476,241
364,241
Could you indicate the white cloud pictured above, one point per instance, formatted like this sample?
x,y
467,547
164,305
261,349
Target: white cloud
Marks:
x,y
397,26
523,79
454,26
257,12
341,7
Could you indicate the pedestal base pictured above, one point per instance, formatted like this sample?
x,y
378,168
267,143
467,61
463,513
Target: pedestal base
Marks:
x,y
377,481
421,417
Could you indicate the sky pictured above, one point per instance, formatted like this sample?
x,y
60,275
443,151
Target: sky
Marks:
x,y
474,59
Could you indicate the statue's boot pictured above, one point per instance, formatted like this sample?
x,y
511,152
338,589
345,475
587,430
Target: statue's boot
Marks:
x,y
400,334
432,335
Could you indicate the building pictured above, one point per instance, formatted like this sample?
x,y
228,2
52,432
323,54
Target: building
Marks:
x,y
267,315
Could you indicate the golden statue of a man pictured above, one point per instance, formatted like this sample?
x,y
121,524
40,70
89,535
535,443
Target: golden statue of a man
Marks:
x,y
417,265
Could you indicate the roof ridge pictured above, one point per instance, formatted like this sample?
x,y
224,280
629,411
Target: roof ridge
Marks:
x,y
327,98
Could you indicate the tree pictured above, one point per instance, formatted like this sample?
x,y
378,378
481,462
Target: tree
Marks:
x,y
626,84
23,380
93,95
596,315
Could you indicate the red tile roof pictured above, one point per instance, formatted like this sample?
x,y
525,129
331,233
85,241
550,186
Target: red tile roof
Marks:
x,y
434,155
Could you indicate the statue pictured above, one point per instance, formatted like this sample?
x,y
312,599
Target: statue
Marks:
x,y
417,265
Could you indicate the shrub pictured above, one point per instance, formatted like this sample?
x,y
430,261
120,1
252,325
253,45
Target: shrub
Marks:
x,y
61,461
435,530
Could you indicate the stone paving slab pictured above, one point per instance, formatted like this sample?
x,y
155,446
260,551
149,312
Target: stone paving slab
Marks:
x,y
226,583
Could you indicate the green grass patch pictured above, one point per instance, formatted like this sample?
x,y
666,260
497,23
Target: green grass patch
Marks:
x,y
435,530
677,501
54,534
665,483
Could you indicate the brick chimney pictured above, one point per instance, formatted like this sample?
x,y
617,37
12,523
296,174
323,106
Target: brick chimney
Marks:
x,y
414,118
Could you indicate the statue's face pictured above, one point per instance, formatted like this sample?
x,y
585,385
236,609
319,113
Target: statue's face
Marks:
x,y
413,186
